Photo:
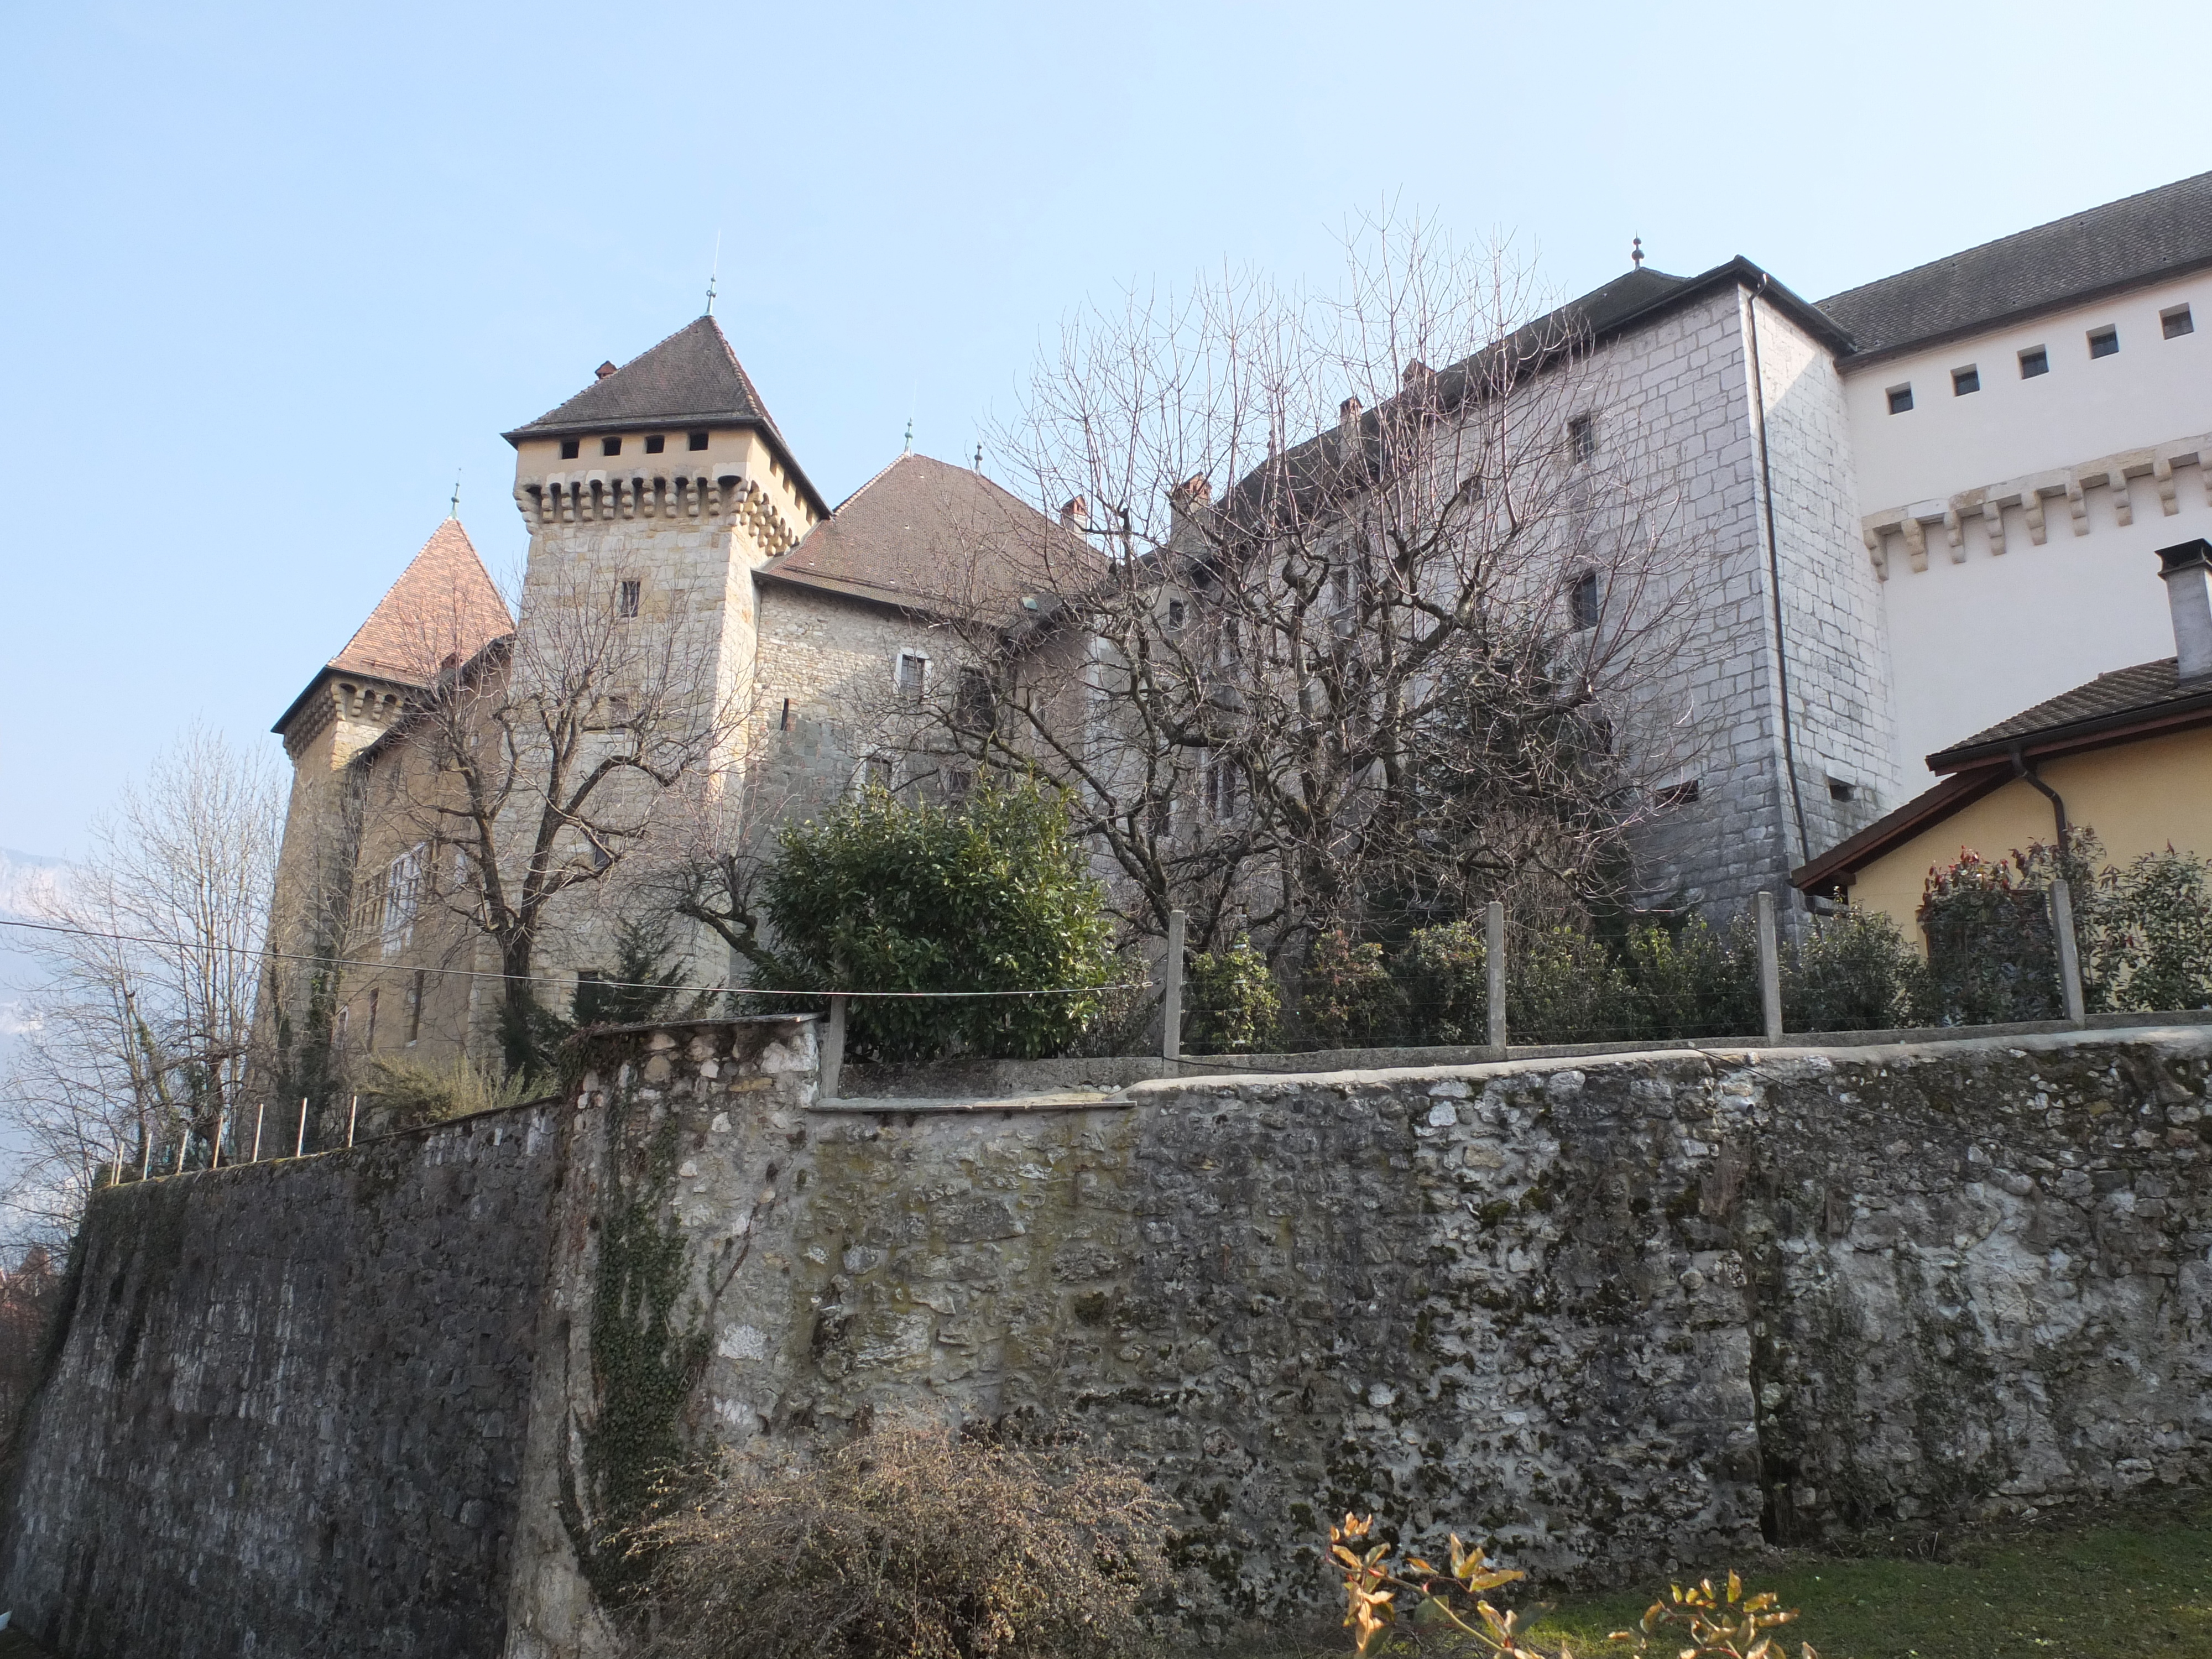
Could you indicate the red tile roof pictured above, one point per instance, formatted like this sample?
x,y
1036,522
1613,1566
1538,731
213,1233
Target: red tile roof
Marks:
x,y
443,609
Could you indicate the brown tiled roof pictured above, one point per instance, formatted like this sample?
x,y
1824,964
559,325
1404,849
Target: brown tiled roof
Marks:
x,y
691,377
444,607
2126,697
2069,261
929,535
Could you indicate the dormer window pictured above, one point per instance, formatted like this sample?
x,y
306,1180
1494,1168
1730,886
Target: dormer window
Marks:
x,y
655,443
697,440
571,447
611,446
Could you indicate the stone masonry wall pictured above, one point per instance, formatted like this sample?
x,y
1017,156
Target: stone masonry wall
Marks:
x,y
1616,1315
287,1412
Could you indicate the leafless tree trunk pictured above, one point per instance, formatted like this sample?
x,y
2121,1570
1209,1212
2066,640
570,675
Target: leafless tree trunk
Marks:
x,y
1341,638
141,1043
538,770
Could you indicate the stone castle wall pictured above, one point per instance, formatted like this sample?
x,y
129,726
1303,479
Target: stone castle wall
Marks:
x,y
1618,1314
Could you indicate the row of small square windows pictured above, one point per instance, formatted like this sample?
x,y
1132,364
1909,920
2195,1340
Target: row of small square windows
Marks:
x,y
654,443
2036,359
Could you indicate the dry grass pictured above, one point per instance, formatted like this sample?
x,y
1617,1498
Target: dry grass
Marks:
x,y
907,1544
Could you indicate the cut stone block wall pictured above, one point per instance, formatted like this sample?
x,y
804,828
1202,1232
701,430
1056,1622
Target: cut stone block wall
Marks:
x,y
287,1410
1618,1315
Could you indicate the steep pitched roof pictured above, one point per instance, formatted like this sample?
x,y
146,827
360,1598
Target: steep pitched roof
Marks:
x,y
929,535
692,376
2139,239
691,379
443,609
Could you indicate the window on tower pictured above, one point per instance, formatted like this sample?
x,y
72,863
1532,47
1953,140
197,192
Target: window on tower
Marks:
x,y
2103,342
2177,322
1900,399
611,446
627,592
571,447
2033,362
655,443
697,440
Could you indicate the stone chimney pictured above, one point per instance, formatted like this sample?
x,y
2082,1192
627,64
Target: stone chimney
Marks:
x,y
1416,373
1347,413
2187,569
1075,513
603,371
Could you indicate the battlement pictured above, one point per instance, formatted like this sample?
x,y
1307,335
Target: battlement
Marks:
x,y
733,477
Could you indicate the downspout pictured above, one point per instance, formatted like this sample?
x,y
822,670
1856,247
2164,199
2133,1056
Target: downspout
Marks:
x,y
2021,769
1774,580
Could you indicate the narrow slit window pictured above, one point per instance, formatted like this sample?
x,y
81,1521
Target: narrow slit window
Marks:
x,y
1175,613
1966,379
627,592
2177,322
1582,437
1583,600
655,443
415,1005
611,446
2033,362
1900,399
2103,342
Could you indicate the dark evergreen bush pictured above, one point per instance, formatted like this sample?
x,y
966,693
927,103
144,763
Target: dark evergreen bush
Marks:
x,y
1234,1006
1348,999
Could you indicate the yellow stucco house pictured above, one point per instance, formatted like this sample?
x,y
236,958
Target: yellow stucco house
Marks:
x,y
2128,755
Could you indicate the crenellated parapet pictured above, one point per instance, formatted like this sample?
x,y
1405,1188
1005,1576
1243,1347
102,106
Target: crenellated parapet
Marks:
x,y
599,495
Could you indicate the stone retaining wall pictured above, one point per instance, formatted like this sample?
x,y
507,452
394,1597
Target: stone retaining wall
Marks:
x,y
1617,1314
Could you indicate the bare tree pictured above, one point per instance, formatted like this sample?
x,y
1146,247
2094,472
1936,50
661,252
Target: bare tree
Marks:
x,y
143,1028
1354,638
548,760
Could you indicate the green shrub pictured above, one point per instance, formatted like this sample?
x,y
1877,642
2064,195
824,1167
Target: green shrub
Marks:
x,y
1562,986
1347,998
907,1544
2150,925
1444,975
1235,1006
992,896
1693,981
1852,971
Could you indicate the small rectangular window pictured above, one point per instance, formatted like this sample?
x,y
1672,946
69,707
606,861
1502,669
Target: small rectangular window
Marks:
x,y
571,447
1224,786
913,674
1582,436
1175,613
2177,322
655,443
1678,794
978,707
627,593
2103,342
1900,399
1965,379
1583,600
611,446
2033,362
697,440
1839,790
878,773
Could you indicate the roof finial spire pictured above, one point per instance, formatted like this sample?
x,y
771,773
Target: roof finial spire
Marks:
x,y
1636,252
454,508
714,275
908,448
979,458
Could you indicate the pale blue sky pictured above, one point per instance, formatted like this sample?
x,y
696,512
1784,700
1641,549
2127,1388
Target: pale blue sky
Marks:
x,y
270,274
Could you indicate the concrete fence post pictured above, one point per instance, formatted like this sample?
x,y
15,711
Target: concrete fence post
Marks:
x,y
215,1152
1494,961
833,1049
1171,990
2069,951
300,1147
1770,970
260,1114
353,1111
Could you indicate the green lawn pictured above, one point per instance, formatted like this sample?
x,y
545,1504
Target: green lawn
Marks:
x,y
2138,1586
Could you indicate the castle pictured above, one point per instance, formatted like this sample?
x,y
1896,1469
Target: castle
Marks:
x,y
1929,502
